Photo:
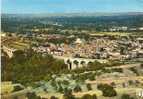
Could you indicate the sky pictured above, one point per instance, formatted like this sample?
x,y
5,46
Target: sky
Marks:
x,y
70,6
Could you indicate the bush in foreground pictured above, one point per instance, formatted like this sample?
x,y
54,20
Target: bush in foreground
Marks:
x,y
126,96
77,88
89,87
53,97
88,96
68,94
108,91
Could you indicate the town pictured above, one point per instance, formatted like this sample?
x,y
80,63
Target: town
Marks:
x,y
63,61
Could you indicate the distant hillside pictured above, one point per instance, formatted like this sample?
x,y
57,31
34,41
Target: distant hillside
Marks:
x,y
100,21
71,14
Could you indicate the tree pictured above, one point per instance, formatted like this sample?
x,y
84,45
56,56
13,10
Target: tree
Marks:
x,y
122,50
94,96
6,69
19,56
89,87
53,97
45,90
141,65
17,88
108,91
95,65
92,77
68,94
124,85
77,88
113,84
86,96
134,70
53,83
126,96
25,69
32,95
130,82
60,89
65,82
76,63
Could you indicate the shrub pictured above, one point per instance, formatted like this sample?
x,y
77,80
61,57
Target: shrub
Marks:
x,y
89,86
92,77
32,95
134,70
53,97
77,88
113,84
17,88
108,91
120,70
94,96
65,82
28,67
60,89
68,94
126,96
86,96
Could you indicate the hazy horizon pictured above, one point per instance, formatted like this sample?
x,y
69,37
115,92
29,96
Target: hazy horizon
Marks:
x,y
78,13
73,6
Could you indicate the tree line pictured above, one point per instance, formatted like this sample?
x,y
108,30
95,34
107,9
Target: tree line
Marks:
x,y
27,67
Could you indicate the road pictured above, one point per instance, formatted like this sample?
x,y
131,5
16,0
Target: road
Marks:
x,y
116,80
13,94
125,66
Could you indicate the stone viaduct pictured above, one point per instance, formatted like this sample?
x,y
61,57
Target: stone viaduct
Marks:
x,y
74,63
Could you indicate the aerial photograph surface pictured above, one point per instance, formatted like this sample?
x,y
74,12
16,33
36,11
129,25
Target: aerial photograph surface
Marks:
x,y
71,49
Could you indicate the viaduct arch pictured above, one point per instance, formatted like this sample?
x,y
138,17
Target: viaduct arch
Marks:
x,y
74,63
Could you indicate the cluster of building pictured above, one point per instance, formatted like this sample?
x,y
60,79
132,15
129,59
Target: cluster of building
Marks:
x,y
122,47
125,28
98,48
